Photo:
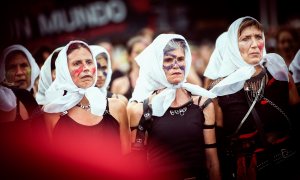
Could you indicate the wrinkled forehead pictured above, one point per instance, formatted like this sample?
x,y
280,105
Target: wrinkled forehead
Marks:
x,y
13,54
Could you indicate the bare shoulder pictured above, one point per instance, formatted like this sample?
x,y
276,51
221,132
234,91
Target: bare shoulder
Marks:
x,y
135,108
121,97
115,103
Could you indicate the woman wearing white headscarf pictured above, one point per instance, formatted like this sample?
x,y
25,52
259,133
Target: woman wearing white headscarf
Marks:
x,y
245,76
20,67
18,72
7,99
181,139
47,76
104,72
85,111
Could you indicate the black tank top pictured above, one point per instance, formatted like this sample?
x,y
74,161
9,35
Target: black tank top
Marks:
x,y
104,135
175,141
235,106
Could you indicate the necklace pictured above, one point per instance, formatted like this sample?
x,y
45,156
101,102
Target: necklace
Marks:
x,y
252,86
84,107
182,110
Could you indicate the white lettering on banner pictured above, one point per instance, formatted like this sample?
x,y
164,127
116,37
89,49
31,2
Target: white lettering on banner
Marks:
x,y
94,14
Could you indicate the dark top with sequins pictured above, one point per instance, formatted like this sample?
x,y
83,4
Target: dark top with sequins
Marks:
x,y
175,142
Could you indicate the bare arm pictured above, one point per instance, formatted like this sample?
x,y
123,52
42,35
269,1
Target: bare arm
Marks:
x,y
118,111
134,112
212,160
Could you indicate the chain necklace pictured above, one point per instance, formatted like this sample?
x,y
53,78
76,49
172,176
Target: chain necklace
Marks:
x,y
252,86
84,107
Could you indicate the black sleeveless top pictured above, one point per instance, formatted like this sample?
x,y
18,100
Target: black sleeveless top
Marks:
x,y
27,99
104,135
235,106
175,142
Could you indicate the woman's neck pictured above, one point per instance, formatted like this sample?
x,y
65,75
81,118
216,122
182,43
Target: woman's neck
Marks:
x,y
258,69
181,97
84,101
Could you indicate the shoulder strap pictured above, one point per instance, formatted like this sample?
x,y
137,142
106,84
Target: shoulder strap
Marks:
x,y
107,107
144,125
18,115
250,109
207,102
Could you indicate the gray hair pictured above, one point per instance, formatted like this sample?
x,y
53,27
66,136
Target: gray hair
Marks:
x,y
175,44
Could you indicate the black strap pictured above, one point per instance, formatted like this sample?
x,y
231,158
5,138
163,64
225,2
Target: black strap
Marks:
x,y
144,125
107,107
206,103
259,125
214,145
18,115
209,126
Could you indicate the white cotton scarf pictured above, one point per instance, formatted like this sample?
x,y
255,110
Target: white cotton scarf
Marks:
x,y
295,67
58,102
96,49
7,96
35,70
152,76
215,61
45,79
235,69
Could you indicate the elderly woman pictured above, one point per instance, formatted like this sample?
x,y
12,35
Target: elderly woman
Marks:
x,y
104,71
253,99
19,71
181,135
86,115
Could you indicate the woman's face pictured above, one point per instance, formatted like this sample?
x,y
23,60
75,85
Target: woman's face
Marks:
x,y
82,67
102,69
18,70
251,45
174,66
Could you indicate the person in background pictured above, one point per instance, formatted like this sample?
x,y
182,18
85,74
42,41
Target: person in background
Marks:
x,y
287,43
254,101
20,67
124,85
104,71
180,137
20,71
47,76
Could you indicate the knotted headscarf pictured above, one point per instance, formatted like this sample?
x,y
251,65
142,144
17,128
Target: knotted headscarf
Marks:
x,y
59,101
295,67
7,96
45,79
152,76
233,67
96,50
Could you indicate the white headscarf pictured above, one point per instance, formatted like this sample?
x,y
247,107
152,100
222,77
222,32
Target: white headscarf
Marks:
x,y
58,102
45,79
152,76
96,50
7,96
35,70
295,67
215,61
236,69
